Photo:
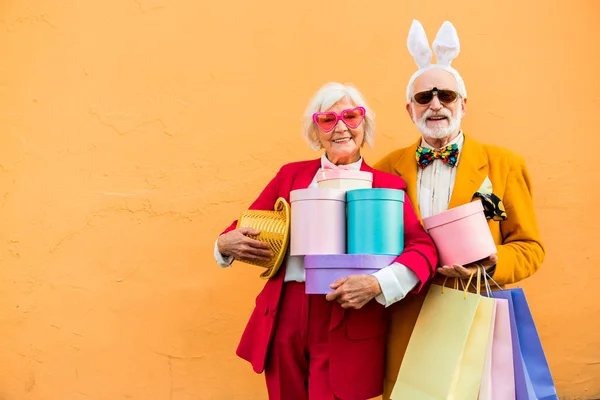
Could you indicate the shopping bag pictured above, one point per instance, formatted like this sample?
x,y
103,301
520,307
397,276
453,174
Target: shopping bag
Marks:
x,y
485,389
532,352
533,380
446,352
498,381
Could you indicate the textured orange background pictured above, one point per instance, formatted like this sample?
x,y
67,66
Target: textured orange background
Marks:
x,y
133,132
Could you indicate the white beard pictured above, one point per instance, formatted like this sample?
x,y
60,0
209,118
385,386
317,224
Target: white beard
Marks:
x,y
438,132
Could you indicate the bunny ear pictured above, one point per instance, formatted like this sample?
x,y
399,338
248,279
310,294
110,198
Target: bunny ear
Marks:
x,y
418,45
446,45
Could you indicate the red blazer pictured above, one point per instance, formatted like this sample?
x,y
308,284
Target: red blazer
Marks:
x,y
353,334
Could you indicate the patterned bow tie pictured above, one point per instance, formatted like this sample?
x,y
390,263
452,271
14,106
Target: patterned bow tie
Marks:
x,y
448,154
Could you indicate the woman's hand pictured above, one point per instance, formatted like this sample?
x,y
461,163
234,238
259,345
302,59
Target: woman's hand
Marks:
x,y
464,272
354,291
238,244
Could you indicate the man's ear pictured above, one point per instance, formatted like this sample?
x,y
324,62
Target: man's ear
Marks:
x,y
409,110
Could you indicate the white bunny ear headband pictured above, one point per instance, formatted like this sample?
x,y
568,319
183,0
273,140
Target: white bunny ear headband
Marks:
x,y
446,47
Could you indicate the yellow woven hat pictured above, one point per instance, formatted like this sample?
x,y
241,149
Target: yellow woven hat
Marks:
x,y
274,227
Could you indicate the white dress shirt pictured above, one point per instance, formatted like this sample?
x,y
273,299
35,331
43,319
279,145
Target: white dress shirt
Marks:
x,y
395,280
436,182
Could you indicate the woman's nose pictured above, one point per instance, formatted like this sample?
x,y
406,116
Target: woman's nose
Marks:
x,y
340,126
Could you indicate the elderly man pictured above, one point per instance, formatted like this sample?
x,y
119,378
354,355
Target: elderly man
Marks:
x,y
445,168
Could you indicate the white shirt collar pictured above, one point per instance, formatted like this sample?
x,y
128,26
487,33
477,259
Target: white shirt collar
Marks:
x,y
353,166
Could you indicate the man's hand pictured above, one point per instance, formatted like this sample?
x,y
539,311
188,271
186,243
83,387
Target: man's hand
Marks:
x,y
354,291
236,243
464,272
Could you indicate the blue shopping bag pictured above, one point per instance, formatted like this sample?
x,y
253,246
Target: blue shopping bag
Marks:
x,y
533,380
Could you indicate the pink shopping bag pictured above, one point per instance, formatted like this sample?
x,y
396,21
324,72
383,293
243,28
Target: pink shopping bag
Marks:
x,y
503,372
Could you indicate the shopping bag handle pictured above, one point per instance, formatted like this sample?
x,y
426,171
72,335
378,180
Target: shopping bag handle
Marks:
x,y
487,278
466,288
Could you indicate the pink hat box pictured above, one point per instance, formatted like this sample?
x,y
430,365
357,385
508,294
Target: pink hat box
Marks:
x,y
344,179
318,221
461,234
323,270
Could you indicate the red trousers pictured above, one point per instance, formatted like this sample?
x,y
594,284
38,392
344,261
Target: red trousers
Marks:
x,y
298,362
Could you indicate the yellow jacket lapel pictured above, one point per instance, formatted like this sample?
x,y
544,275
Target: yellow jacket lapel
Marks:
x,y
406,167
471,172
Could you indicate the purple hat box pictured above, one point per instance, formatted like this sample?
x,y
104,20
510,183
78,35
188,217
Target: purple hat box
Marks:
x,y
324,269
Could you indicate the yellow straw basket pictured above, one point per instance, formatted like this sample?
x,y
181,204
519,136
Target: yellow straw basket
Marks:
x,y
274,227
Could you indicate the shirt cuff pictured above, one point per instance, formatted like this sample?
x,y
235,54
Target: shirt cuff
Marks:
x,y
221,259
396,282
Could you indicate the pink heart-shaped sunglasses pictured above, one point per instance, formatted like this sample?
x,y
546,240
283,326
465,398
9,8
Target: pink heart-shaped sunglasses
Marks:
x,y
327,121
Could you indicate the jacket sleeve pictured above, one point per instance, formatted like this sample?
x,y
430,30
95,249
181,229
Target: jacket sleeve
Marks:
x,y
521,252
420,254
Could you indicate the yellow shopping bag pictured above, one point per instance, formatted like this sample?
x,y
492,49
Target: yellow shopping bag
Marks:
x,y
447,349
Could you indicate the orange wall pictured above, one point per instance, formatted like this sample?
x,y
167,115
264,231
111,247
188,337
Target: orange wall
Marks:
x,y
134,131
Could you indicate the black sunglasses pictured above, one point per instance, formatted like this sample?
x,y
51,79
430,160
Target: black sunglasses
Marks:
x,y
444,95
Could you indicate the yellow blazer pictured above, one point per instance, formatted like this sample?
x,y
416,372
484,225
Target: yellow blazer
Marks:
x,y
520,250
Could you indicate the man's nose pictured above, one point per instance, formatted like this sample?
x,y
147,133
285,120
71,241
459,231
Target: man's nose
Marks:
x,y
435,104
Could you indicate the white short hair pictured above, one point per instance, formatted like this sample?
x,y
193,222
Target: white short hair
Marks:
x,y
462,90
325,98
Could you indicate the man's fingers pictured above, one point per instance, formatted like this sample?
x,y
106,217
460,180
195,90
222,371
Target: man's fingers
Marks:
x,y
447,271
462,271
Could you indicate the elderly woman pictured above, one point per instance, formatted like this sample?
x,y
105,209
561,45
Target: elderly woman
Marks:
x,y
316,346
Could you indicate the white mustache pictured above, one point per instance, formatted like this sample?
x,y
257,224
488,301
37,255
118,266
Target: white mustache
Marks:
x,y
454,120
441,113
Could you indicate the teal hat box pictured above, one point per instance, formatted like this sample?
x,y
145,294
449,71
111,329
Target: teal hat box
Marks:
x,y
375,221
